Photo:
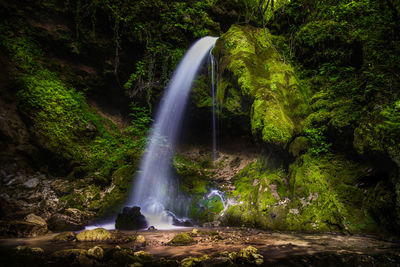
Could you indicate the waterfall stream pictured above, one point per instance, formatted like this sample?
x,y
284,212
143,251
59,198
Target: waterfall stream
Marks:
x,y
213,92
155,189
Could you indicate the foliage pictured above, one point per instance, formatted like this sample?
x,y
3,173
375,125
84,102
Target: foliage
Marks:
x,y
163,29
62,123
315,194
349,53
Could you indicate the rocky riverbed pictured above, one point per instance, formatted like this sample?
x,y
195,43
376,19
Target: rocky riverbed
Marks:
x,y
198,247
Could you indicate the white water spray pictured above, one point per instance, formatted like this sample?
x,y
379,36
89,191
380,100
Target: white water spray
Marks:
x,y
155,190
218,193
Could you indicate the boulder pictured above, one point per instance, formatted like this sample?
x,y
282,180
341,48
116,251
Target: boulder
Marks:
x,y
182,239
96,253
151,229
98,234
249,255
32,218
192,261
61,222
131,219
64,237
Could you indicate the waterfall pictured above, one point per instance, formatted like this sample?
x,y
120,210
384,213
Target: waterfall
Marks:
x,y
213,92
155,189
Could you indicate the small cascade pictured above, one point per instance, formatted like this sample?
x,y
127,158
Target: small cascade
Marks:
x,y
156,190
218,193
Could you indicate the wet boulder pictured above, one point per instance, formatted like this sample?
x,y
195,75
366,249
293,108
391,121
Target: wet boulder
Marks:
x,y
131,219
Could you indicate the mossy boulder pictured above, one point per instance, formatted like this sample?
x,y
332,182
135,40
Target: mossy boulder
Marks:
x,y
96,253
248,255
182,239
259,84
192,261
98,234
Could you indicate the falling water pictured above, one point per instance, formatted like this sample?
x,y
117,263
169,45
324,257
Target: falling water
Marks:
x,y
218,193
155,189
213,88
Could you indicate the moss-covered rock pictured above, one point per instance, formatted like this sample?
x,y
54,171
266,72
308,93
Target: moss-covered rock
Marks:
x,y
317,194
192,261
96,253
196,180
182,239
98,234
257,83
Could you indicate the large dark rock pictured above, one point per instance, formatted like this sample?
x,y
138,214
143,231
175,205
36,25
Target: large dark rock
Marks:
x,y
131,219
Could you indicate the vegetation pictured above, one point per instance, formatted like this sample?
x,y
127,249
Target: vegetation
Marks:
x,y
313,83
64,125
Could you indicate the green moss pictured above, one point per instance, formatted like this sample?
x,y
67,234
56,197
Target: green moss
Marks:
x,y
121,179
62,123
74,200
316,194
298,146
327,198
182,239
204,209
196,180
258,84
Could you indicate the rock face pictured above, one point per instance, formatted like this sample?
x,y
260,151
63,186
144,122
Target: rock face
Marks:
x,y
98,234
22,229
258,86
131,219
31,226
